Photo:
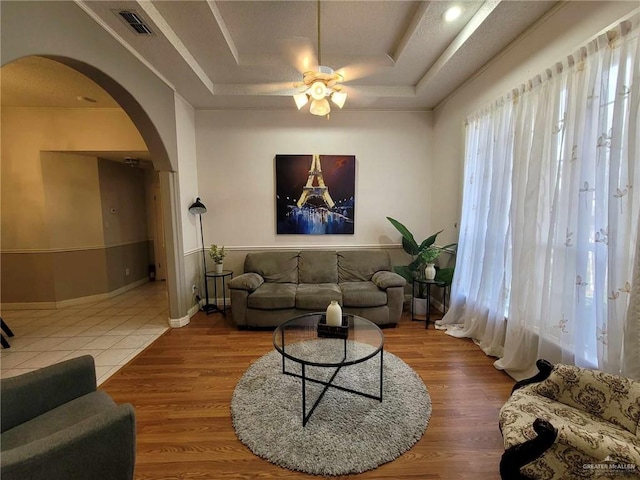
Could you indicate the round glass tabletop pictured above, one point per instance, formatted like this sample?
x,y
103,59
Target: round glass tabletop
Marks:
x,y
298,340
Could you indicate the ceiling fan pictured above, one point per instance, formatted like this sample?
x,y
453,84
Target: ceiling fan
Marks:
x,y
319,85
322,83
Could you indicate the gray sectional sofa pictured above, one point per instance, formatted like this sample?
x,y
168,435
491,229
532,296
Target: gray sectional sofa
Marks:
x,y
277,286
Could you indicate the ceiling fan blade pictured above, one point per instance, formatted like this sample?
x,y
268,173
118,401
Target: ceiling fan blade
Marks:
x,y
356,71
363,66
300,52
274,88
356,98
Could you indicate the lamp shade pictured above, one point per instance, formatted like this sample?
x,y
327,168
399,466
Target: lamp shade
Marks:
x,y
320,107
197,207
339,98
301,99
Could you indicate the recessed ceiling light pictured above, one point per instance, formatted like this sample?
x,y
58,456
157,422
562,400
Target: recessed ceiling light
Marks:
x,y
80,98
452,13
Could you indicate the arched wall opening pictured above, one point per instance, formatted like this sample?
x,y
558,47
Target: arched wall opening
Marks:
x,y
68,160
62,30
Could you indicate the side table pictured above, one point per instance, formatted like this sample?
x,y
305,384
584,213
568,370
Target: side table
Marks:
x,y
208,308
427,284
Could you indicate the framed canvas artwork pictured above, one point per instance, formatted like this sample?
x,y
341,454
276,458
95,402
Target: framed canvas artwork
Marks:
x,y
315,194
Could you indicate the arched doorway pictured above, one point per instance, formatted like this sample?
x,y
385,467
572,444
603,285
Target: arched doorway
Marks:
x,y
74,157
67,34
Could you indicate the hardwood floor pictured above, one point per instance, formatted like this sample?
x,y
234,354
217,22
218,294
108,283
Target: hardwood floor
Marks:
x,y
181,388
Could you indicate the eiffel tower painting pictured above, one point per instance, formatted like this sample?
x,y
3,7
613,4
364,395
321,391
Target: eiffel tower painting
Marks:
x,y
315,194
320,190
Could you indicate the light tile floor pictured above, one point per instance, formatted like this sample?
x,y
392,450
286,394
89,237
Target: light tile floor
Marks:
x,y
112,331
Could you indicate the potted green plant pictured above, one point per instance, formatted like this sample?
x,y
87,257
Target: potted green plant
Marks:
x,y
217,254
423,256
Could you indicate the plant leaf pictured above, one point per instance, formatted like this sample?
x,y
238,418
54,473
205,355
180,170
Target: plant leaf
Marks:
x,y
429,241
404,272
408,242
410,247
445,275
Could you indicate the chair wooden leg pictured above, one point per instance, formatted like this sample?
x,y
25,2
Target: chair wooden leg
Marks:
x,y
4,342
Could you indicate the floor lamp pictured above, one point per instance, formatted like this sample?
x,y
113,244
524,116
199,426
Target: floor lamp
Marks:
x,y
198,208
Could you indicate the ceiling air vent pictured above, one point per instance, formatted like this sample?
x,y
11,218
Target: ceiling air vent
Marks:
x,y
135,21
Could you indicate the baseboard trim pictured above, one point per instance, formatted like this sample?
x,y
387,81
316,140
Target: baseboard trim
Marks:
x,y
28,306
72,302
181,322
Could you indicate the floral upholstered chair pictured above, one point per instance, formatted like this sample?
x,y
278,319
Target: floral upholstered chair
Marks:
x,y
571,423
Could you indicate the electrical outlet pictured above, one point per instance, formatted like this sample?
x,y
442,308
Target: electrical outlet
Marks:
x,y
194,289
126,271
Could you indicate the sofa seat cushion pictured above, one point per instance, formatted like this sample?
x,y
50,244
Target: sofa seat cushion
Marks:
x,y
317,296
56,420
583,438
271,296
362,294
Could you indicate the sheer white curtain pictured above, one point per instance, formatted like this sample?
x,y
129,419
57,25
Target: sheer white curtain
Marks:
x,y
479,286
572,218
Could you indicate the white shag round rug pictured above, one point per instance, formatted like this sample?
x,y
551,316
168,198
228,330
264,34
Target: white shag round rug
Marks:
x,y
347,433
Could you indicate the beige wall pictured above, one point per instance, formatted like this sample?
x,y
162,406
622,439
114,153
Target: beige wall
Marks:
x,y
123,203
71,201
58,235
27,277
236,152
552,40
77,274
26,132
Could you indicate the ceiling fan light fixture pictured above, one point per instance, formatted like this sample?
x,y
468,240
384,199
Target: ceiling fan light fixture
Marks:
x,y
301,99
320,107
321,83
339,98
318,90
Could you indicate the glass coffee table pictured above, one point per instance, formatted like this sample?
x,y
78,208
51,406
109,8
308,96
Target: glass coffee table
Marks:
x,y
297,340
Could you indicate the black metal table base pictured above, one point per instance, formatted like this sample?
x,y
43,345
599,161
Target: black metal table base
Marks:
x,y
306,416
213,307
210,308
427,284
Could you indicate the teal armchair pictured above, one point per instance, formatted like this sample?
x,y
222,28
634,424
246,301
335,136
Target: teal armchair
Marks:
x,y
56,425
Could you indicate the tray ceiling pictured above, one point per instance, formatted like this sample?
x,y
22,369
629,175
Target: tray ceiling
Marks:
x,y
248,54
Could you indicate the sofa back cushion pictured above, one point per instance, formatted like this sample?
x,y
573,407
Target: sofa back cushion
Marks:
x,y
360,265
274,267
318,267
612,398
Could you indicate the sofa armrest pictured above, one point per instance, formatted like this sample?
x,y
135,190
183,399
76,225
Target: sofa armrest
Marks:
x,y
29,395
246,281
102,446
385,279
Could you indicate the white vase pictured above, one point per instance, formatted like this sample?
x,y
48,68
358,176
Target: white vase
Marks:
x,y
217,267
430,271
334,314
